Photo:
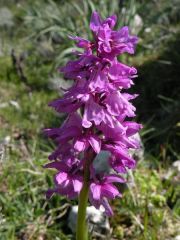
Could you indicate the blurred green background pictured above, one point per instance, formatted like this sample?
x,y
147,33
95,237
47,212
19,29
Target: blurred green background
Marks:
x,y
33,43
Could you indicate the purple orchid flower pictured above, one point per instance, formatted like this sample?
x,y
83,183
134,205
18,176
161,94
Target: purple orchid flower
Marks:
x,y
68,180
99,112
102,190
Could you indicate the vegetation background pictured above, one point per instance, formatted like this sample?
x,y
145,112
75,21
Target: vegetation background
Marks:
x,y
33,43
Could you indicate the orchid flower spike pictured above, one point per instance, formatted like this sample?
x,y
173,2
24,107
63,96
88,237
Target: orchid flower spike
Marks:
x,y
98,112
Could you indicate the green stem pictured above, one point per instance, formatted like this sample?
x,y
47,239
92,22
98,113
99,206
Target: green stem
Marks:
x,y
82,229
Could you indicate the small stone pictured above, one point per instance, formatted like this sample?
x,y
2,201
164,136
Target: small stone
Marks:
x,y
98,223
137,24
6,17
147,30
173,174
15,104
176,165
101,163
177,237
4,105
6,140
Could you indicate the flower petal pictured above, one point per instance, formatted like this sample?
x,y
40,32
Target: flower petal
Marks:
x,y
61,177
95,22
95,143
93,112
108,209
114,178
96,191
77,184
81,144
110,191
